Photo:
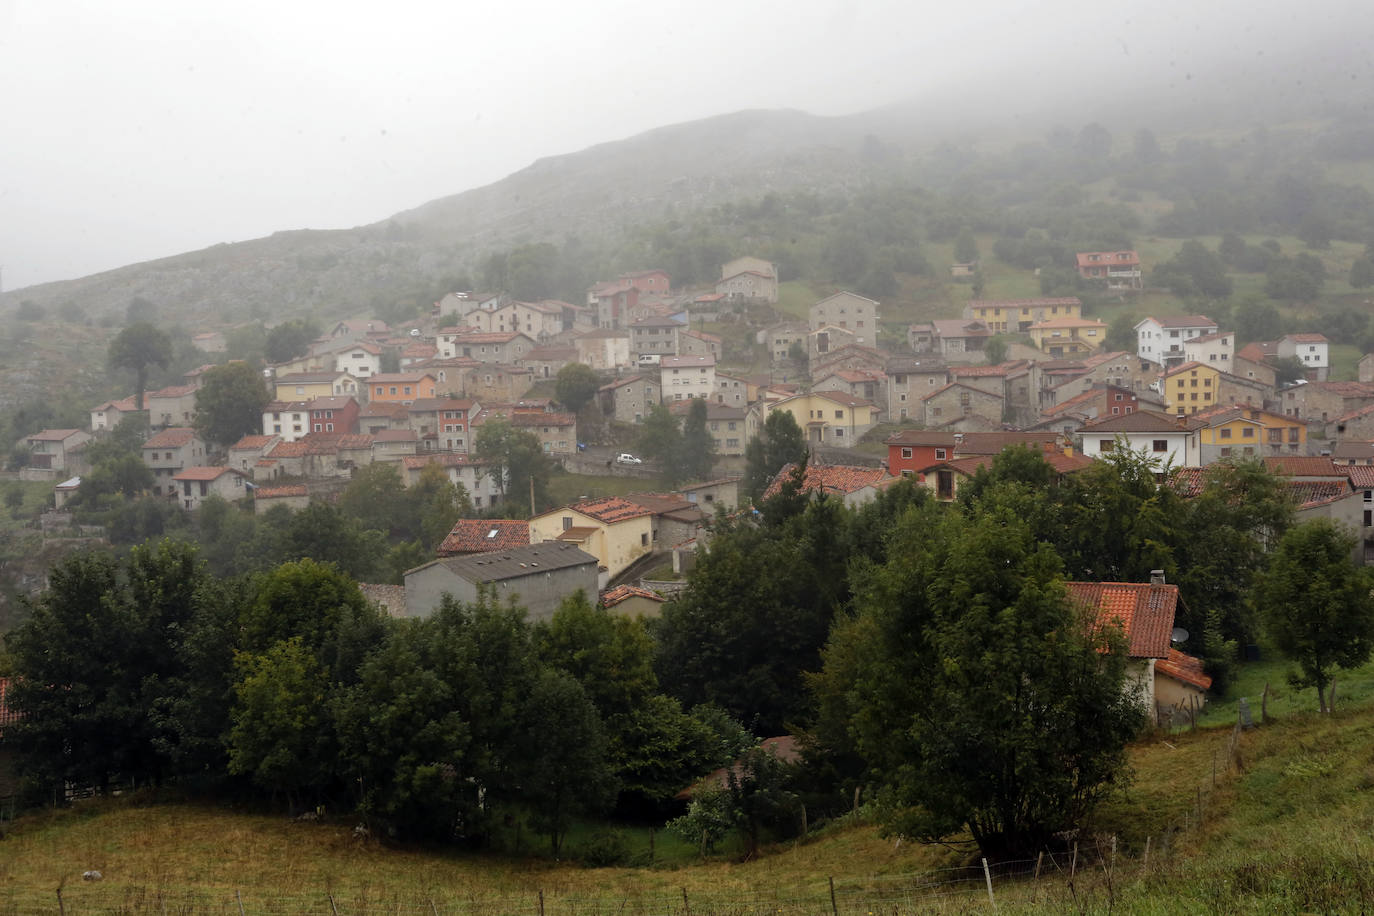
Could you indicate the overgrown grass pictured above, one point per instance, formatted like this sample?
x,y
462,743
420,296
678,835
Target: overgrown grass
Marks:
x,y
1284,828
566,487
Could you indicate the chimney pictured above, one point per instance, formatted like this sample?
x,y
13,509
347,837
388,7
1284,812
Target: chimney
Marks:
x,y
1156,577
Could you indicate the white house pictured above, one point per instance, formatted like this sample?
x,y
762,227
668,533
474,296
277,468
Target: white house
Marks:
x,y
1218,350
1150,432
1309,349
683,377
1161,340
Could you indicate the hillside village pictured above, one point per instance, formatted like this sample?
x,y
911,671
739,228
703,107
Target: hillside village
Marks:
x,y
1032,372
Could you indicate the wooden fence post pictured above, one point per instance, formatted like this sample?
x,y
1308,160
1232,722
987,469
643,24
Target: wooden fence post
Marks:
x,y
238,897
685,908
1145,863
1039,859
834,908
1073,862
1264,704
541,902
987,876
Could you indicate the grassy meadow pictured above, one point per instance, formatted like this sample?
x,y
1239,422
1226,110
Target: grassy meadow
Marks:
x,y
1280,821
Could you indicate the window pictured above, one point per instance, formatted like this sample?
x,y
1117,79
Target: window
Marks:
x,y
1293,434
940,454
1226,452
1105,445
1160,445
1248,433
567,522
906,453
839,432
839,415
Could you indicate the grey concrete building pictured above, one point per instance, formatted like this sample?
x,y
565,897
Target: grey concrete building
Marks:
x,y
539,576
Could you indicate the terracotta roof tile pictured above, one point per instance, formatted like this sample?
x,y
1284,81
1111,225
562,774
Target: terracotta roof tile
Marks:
x,y
251,442
1183,667
475,535
294,489
612,597
1145,612
610,509
204,473
1299,466
821,477
171,437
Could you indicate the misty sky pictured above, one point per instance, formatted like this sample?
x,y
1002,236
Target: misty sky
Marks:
x,y
137,129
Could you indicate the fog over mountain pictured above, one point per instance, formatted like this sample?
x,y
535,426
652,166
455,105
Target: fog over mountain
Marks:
x,y
138,131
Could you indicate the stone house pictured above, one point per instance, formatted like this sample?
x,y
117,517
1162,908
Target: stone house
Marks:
x,y
170,451
194,485
958,400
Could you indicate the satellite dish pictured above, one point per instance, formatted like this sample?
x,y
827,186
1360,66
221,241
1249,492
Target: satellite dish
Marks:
x,y
1179,635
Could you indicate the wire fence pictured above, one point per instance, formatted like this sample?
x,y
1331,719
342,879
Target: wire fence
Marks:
x,y
1070,869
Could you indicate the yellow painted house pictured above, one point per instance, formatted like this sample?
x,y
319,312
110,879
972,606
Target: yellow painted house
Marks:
x,y
1019,315
1242,431
614,530
1190,388
306,386
830,417
1068,337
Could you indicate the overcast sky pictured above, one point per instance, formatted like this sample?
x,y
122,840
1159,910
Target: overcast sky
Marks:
x,y
137,129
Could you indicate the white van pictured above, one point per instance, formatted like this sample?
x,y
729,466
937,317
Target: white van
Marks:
x,y
650,359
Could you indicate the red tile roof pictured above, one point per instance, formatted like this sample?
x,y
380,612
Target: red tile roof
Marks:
x,y
1309,494
475,535
1361,476
614,596
293,489
821,477
1145,612
1140,421
53,435
171,437
171,391
1124,257
252,442
298,449
1306,338
1299,466
204,473
610,509
1185,321
1183,667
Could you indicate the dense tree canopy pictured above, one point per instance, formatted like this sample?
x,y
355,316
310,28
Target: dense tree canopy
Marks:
x,y
1317,604
229,403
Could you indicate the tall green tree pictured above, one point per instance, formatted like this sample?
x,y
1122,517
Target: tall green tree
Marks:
x,y
1318,606
518,462
698,454
290,339
97,651
576,385
660,441
138,347
282,736
564,770
779,443
982,699
229,403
